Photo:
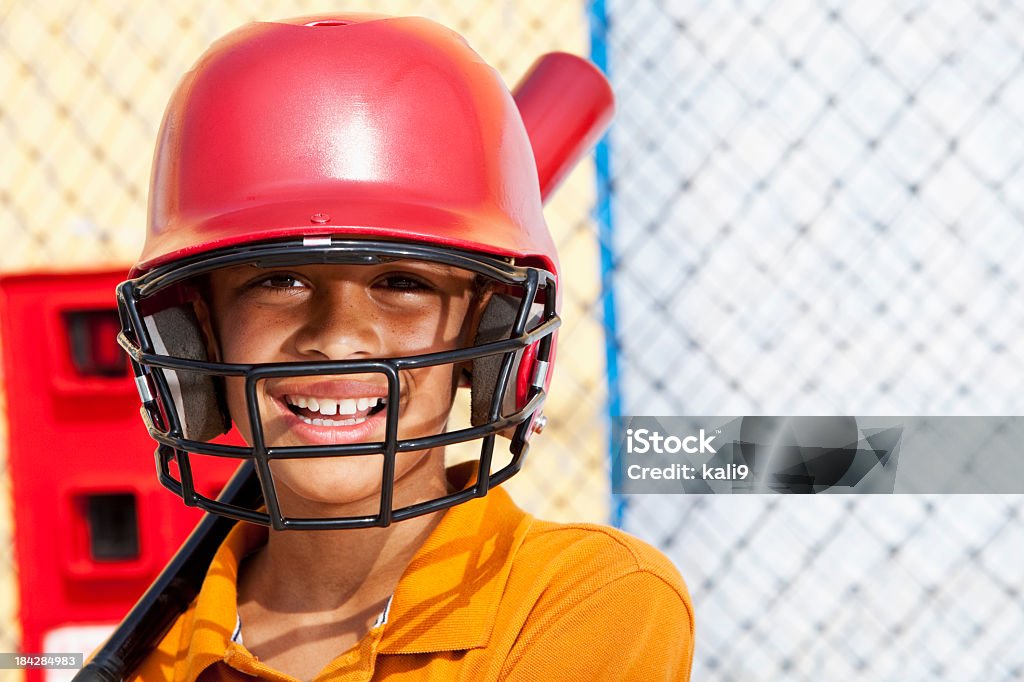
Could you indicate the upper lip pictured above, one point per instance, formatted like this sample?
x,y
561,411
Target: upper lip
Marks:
x,y
336,389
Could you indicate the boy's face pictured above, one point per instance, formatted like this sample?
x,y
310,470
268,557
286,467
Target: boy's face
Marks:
x,y
341,312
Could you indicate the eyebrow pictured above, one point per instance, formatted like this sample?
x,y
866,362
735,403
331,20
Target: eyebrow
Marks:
x,y
438,268
430,263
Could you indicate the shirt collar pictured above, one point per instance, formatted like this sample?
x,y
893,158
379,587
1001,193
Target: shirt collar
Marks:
x,y
216,609
448,596
445,601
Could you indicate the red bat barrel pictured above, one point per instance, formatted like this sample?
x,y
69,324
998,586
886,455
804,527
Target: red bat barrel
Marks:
x,y
566,104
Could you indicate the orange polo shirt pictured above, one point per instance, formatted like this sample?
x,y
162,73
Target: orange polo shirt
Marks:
x,y
493,594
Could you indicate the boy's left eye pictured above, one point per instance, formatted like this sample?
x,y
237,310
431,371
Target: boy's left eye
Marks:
x,y
280,282
403,283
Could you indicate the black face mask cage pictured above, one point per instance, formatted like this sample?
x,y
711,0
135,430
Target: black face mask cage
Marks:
x,y
165,425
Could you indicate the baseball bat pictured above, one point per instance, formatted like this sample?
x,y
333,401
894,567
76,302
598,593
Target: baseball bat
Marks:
x,y
566,104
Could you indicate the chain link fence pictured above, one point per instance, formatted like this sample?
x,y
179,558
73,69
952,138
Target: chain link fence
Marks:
x,y
813,211
816,211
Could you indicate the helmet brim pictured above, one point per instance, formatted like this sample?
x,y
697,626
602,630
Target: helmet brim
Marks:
x,y
480,229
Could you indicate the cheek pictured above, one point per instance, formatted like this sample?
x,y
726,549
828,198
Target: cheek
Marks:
x,y
239,343
247,338
434,383
430,391
235,392
444,328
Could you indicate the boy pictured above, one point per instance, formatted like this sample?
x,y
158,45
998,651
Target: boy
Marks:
x,y
345,228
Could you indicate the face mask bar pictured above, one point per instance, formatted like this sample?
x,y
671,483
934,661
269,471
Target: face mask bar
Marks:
x,y
160,413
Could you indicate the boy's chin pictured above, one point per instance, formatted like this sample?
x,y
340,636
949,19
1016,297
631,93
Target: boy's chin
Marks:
x,y
337,486
329,482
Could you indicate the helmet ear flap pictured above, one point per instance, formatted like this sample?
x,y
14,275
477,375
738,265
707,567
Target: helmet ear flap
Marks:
x,y
198,398
496,323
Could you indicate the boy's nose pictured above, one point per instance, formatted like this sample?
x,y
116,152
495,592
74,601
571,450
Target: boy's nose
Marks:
x,y
342,325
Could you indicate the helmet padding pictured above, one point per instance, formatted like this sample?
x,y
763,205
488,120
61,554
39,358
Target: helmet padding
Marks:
x,y
176,332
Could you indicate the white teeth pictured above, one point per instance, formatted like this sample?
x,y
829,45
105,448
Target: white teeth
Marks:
x,y
329,407
333,422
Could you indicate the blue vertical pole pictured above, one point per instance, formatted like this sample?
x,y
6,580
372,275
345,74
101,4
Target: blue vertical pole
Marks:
x,y
597,15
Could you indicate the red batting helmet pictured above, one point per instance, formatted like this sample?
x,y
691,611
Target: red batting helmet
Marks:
x,y
338,140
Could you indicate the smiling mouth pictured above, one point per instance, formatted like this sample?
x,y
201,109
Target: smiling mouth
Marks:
x,y
334,412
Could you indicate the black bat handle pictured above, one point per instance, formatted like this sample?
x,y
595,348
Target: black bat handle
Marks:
x,y
172,591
